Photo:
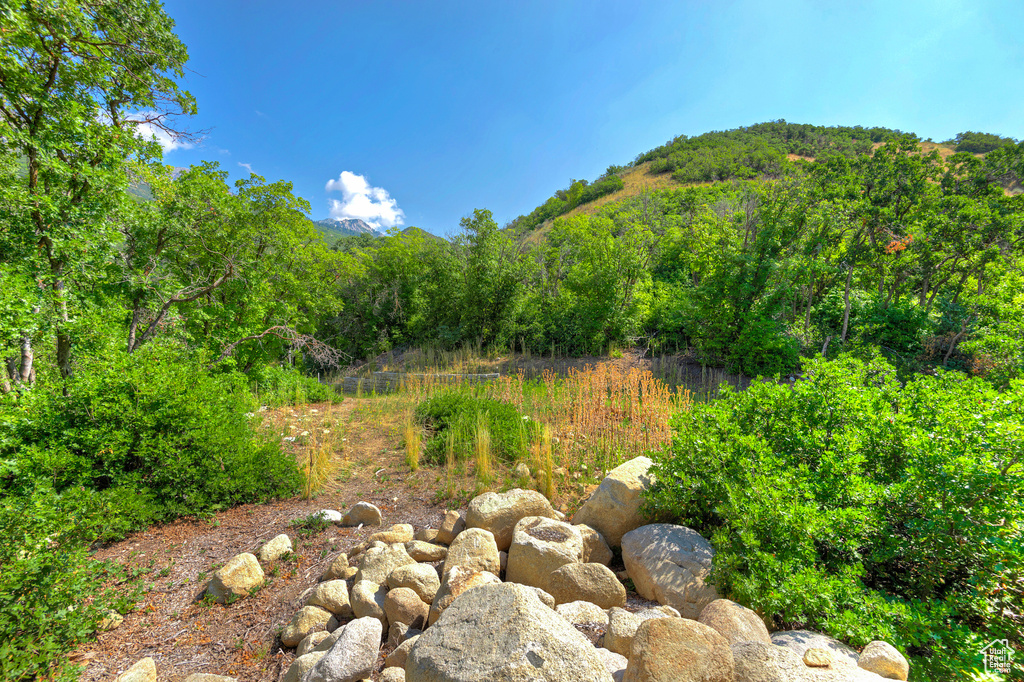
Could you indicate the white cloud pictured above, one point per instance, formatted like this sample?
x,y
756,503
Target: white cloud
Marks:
x,y
148,131
246,166
372,205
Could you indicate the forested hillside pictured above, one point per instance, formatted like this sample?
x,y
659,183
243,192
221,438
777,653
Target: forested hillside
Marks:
x,y
141,333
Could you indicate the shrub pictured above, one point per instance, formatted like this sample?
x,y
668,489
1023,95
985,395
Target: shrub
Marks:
x,y
459,413
52,595
277,386
152,433
854,505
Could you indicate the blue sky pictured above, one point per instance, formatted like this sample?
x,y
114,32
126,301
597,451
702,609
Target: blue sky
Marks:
x,y
415,113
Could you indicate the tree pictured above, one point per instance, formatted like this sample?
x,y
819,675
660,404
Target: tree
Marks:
x,y
77,80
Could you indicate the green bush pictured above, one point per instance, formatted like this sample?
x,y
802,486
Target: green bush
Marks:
x,y
277,386
152,433
52,595
456,411
869,510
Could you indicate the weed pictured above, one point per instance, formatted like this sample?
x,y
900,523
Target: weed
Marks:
x,y
314,524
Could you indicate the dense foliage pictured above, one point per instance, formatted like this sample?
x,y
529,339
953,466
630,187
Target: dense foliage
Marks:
x,y
454,418
870,510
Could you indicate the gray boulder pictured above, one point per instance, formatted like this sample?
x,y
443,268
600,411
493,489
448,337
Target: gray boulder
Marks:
x,y
670,565
503,633
614,508
353,656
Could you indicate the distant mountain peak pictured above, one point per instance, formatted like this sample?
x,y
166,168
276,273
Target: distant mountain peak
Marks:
x,y
354,225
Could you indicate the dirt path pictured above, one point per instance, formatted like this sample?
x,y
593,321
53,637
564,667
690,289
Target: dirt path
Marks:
x,y
184,635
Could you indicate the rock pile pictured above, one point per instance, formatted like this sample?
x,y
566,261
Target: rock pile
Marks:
x,y
450,605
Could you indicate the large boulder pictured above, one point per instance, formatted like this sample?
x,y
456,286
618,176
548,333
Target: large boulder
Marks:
x,y
456,582
759,662
474,548
583,613
400,532
885,660
594,583
398,657
307,620
539,547
678,650
363,514
376,564
500,512
236,579
799,641
614,508
502,633
670,565
353,656
622,627
332,596
275,548
421,578
311,641
735,622
613,663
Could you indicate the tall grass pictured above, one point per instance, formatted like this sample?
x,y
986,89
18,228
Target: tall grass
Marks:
x,y
412,445
482,448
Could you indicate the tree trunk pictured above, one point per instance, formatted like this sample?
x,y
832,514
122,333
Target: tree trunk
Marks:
x,y
27,372
846,303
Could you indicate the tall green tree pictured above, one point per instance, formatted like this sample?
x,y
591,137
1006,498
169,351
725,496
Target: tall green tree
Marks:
x,y
77,81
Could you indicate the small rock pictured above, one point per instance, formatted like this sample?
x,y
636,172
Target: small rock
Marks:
x,y
276,548
336,568
403,605
799,641
399,632
353,656
885,660
400,532
363,513
143,671
207,677
397,658
454,583
421,578
111,621
327,642
306,620
594,583
332,596
376,565
583,612
368,601
474,548
392,675
330,515
426,535
622,627
302,665
236,579
503,561
613,662
735,622
310,642
451,526
817,658
522,472
426,551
